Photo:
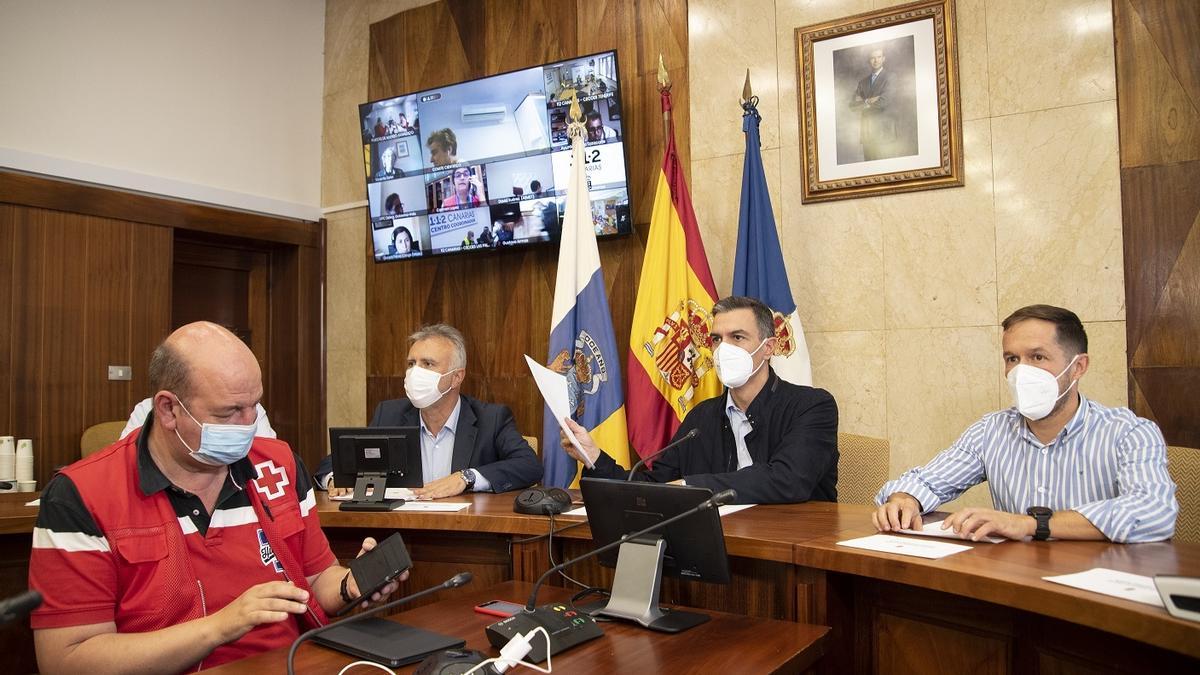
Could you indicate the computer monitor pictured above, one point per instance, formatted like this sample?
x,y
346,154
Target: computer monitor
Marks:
x,y
692,548
371,459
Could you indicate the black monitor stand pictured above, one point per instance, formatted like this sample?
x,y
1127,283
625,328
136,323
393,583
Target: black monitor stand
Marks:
x,y
637,587
376,483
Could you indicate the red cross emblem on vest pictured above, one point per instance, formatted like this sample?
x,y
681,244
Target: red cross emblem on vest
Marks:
x,y
271,480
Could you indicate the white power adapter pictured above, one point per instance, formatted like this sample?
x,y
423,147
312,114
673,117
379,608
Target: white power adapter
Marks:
x,y
514,651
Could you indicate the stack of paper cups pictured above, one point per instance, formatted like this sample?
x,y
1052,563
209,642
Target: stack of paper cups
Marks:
x,y
24,459
8,462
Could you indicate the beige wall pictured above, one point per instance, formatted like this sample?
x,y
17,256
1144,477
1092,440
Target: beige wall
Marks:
x,y
343,196
215,101
901,296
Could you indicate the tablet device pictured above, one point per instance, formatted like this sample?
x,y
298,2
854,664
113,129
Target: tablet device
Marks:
x,y
387,642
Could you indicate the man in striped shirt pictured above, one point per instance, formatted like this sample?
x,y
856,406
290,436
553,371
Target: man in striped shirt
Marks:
x,y
1057,464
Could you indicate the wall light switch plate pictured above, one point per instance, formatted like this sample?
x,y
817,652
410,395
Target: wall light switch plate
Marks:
x,y
120,372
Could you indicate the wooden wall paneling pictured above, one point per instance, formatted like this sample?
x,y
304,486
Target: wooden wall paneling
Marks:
x,y
1159,206
29,244
106,202
502,301
1158,103
8,235
282,383
311,347
149,293
549,37
294,372
109,244
62,382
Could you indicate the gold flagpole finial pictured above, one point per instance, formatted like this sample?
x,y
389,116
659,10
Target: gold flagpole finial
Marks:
x,y
746,93
575,112
664,80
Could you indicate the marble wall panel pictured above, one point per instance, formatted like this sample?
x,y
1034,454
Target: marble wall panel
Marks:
x,y
1049,54
1058,211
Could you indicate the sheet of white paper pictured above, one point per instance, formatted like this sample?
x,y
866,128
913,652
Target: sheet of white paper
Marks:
x,y
391,493
1111,582
722,510
433,506
553,387
935,530
36,502
905,546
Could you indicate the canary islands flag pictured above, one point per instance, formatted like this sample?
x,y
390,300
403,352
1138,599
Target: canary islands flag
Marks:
x,y
583,346
670,353
758,270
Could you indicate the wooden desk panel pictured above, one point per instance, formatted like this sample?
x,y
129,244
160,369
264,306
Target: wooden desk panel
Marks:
x,y
778,646
992,597
787,565
1010,574
16,528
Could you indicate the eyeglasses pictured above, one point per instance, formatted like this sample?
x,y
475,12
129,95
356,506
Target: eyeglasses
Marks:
x,y
462,174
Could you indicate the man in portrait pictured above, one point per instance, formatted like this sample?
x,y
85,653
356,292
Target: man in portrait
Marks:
x,y
872,98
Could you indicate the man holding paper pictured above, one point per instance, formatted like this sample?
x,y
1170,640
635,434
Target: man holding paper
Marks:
x,y
1058,464
466,444
770,440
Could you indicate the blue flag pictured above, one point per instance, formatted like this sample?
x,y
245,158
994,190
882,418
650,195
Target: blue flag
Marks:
x,y
758,269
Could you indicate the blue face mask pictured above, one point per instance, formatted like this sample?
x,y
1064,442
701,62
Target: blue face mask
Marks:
x,y
220,444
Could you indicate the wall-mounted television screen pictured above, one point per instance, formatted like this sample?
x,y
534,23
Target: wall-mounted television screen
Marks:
x,y
484,164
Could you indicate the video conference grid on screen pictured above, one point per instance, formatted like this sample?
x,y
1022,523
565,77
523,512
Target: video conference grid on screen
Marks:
x,y
485,163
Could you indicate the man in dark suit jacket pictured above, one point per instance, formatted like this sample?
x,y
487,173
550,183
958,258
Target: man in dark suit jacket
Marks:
x,y
872,97
466,444
770,440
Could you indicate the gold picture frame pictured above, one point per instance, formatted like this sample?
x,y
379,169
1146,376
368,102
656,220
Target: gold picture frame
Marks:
x,y
879,103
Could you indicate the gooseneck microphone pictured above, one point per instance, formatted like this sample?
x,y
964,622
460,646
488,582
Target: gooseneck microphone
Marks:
x,y
460,579
686,437
18,606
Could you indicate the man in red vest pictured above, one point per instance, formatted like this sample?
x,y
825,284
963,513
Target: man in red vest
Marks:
x,y
190,542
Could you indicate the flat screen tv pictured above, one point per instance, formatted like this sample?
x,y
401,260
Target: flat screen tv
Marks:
x,y
484,164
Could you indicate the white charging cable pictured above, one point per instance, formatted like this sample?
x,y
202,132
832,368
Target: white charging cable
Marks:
x,y
516,649
366,663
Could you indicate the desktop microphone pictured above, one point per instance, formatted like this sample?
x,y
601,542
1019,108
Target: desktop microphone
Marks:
x,y
567,627
18,606
460,579
688,436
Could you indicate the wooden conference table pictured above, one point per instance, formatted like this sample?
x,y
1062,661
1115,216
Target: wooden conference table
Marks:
x,y
780,646
986,610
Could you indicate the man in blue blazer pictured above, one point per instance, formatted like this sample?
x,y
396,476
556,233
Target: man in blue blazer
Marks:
x,y
466,444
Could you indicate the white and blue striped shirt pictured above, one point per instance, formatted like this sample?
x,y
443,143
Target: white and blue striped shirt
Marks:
x,y
1107,464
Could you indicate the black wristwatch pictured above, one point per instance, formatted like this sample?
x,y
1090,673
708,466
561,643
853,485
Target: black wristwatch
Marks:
x,y
468,477
1042,515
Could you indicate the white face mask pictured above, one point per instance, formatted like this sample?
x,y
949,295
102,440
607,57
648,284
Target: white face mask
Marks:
x,y
736,365
1035,391
220,444
421,386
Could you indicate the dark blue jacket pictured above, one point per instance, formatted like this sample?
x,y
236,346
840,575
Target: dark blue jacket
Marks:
x,y
793,445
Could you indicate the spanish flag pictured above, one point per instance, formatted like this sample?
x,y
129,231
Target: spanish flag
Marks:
x,y
670,353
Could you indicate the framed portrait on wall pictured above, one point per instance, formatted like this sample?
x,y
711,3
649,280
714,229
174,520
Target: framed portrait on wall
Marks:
x,y
879,103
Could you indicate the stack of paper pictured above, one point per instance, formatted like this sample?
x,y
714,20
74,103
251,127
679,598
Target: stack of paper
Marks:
x,y
888,544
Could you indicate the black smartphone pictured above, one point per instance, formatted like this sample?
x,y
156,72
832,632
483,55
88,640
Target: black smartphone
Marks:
x,y
376,568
